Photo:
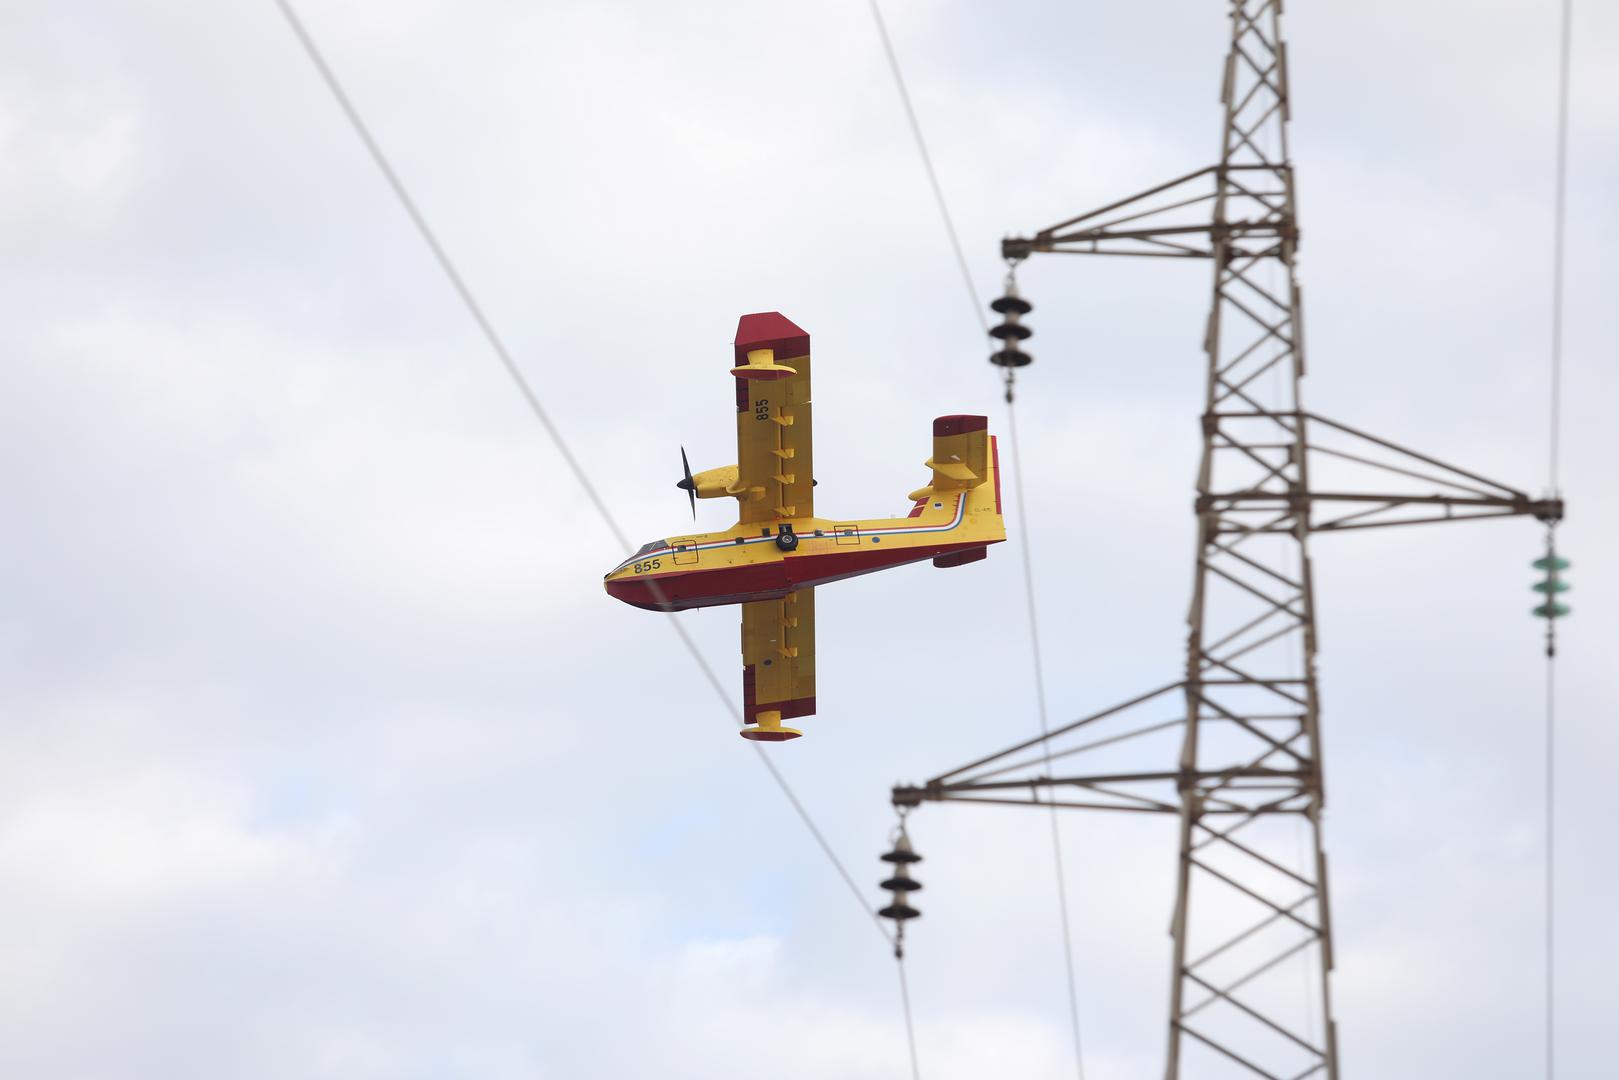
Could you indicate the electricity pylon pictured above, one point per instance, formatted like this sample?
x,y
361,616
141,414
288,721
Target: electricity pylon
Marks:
x,y
1251,897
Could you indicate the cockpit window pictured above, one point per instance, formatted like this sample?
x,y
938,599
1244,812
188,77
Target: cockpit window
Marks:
x,y
646,549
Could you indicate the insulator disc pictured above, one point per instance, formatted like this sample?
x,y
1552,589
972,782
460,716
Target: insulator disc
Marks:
x,y
1551,562
1550,586
1011,357
1011,330
899,856
902,884
1548,611
899,912
1011,303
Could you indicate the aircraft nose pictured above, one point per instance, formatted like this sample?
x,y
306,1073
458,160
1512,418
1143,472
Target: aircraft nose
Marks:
x,y
636,592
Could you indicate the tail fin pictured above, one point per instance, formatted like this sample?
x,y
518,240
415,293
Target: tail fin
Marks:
x,y
965,464
961,455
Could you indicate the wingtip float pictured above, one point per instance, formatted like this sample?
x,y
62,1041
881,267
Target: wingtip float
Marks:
x,y
772,559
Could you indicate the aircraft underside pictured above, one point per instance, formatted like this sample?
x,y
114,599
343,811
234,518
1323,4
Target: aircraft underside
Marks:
x,y
805,569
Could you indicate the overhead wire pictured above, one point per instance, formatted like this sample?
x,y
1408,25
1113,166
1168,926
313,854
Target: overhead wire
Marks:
x,y
943,206
1551,877
498,345
1559,232
1045,732
1554,454
927,164
910,1025
1017,473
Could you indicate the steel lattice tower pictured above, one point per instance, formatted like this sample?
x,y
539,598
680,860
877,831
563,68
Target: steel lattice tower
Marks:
x,y
1251,899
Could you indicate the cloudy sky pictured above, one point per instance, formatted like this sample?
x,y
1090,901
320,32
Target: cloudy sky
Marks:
x,y
324,753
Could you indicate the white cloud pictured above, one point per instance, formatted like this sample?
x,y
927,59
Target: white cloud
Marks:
x,y
326,756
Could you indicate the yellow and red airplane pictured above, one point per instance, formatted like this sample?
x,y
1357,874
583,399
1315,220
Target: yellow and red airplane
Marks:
x,y
772,559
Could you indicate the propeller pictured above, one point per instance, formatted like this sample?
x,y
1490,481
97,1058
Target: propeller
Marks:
x,y
688,485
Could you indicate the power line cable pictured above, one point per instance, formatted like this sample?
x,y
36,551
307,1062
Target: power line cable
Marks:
x,y
1559,219
317,58
1551,890
1017,472
927,163
910,1028
1045,732
1554,440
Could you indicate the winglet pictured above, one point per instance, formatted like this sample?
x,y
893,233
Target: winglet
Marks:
x,y
767,727
762,365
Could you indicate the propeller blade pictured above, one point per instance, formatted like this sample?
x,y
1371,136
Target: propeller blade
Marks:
x,y
688,484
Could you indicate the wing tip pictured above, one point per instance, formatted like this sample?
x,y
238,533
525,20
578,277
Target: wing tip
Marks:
x,y
777,733
770,330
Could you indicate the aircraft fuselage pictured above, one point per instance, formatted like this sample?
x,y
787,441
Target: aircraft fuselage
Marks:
x,y
750,562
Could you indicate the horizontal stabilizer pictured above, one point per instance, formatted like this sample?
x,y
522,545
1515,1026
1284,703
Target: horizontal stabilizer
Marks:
x,y
952,470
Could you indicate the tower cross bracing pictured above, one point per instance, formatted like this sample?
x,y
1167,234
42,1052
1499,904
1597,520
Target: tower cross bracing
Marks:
x,y
1251,924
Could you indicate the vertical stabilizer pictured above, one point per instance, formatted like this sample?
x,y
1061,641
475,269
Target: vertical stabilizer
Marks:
x,y
961,456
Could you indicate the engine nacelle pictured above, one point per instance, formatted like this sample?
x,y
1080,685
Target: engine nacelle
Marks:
x,y
715,483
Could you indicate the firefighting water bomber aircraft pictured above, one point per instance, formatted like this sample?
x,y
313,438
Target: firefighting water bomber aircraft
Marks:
x,y
772,559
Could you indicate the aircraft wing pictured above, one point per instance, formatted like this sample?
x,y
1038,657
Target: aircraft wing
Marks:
x,y
778,659
773,445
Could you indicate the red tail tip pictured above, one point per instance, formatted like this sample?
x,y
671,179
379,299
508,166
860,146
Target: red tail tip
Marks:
x,y
957,425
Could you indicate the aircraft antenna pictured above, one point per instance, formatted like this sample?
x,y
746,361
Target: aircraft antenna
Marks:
x,y
1246,711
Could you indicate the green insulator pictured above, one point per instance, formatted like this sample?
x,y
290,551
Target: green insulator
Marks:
x,y
1550,585
1551,562
1551,611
